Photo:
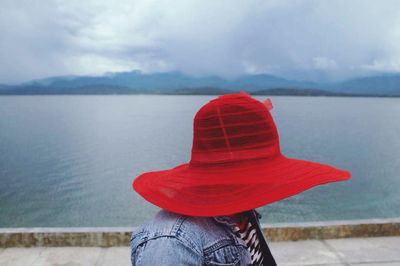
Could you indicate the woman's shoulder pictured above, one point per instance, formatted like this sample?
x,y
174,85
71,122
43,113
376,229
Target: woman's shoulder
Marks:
x,y
208,238
200,231
173,224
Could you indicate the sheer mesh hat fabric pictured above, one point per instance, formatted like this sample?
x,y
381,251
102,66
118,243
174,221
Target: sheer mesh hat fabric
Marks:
x,y
236,163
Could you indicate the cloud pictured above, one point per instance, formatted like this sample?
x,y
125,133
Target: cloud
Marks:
x,y
324,63
298,39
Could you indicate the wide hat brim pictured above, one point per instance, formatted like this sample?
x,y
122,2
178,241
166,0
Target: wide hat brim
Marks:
x,y
228,188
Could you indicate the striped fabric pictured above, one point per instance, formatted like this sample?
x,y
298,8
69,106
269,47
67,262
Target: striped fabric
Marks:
x,y
248,230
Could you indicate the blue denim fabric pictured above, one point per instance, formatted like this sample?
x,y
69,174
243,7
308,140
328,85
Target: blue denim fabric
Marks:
x,y
173,239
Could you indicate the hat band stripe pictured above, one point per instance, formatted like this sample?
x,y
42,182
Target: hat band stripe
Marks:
x,y
251,123
224,156
254,111
253,134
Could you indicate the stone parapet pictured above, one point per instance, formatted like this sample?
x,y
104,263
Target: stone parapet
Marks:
x,y
120,236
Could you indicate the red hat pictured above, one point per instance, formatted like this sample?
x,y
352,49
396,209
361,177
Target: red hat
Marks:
x,y
236,164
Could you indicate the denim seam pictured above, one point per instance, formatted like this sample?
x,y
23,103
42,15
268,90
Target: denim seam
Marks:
x,y
178,223
181,239
219,244
142,238
190,244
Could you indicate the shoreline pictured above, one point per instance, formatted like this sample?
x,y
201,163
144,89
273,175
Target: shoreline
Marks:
x,y
205,94
120,236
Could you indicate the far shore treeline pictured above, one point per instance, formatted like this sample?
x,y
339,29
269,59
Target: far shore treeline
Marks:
x,y
175,83
110,90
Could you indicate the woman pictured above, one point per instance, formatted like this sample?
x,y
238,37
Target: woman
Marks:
x,y
208,214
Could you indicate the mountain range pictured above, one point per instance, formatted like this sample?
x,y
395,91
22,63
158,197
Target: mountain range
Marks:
x,y
136,82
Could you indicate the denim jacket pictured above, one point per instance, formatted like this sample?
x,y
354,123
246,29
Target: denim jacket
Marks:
x,y
173,239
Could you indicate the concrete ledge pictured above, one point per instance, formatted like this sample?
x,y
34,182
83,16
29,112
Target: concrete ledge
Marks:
x,y
65,237
120,236
332,229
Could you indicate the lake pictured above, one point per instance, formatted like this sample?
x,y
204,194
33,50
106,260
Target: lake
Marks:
x,y
70,160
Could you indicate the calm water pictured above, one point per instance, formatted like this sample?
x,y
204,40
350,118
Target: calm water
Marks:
x,y
70,160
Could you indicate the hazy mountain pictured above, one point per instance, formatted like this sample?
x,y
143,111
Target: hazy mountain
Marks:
x,y
134,80
384,84
169,81
179,83
264,81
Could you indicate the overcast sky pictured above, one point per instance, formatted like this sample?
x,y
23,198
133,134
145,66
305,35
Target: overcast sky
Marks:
x,y
319,40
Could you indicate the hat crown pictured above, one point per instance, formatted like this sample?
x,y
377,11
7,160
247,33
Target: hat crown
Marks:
x,y
234,127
